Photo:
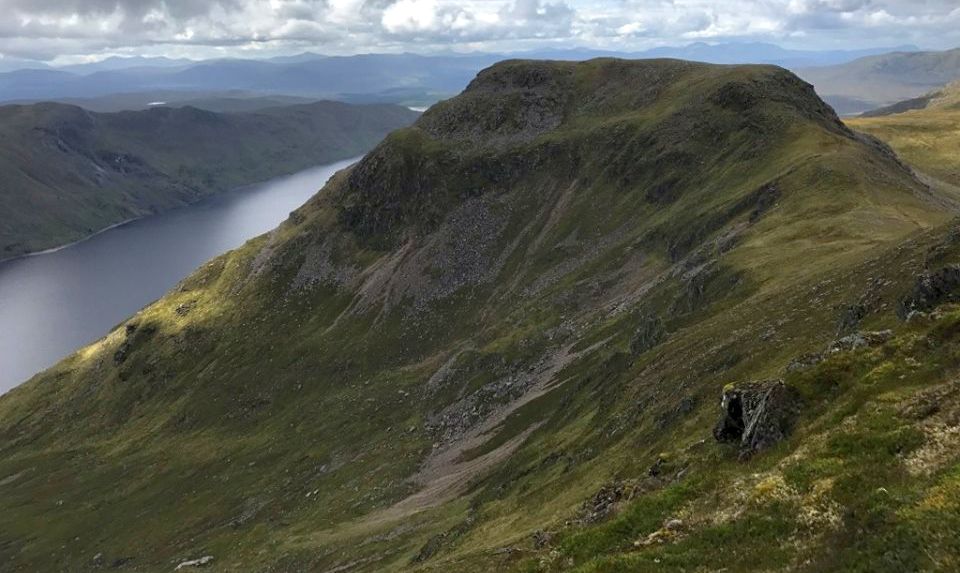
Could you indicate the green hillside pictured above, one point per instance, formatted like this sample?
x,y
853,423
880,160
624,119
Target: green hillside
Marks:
x,y
926,133
501,340
68,172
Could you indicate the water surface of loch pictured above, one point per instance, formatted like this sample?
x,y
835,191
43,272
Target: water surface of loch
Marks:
x,y
55,302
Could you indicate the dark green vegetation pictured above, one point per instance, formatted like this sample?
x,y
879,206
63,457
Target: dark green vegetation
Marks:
x,y
877,81
500,340
68,172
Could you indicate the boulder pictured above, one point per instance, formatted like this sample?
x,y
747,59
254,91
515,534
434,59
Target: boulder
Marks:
x,y
756,415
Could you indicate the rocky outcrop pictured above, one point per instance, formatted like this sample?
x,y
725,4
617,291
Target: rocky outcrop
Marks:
x,y
603,503
510,102
855,341
757,415
135,336
930,290
861,340
670,532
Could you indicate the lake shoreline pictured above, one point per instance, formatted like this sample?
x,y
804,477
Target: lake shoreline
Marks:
x,y
51,305
199,199
84,238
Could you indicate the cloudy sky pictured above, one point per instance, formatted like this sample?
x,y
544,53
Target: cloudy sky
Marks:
x,y
67,31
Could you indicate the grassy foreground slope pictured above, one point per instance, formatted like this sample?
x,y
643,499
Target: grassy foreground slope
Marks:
x,y
68,172
499,341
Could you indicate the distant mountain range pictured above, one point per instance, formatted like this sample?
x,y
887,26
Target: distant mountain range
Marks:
x,y
322,77
68,172
409,79
876,81
219,101
729,53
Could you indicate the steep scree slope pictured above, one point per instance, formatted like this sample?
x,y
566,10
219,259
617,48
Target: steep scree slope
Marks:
x,y
499,342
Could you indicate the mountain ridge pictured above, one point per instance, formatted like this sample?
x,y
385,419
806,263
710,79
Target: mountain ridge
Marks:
x,y
498,342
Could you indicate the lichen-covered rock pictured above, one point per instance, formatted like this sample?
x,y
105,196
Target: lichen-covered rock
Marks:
x,y
756,414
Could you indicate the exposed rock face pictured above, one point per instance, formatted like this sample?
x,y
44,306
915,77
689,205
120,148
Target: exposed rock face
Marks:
x,y
757,415
515,101
931,290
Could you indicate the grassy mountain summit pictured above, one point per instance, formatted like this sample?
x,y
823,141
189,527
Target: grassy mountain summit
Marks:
x,y
69,172
499,342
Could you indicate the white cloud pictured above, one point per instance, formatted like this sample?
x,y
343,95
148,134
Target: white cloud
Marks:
x,y
631,29
438,21
410,16
80,28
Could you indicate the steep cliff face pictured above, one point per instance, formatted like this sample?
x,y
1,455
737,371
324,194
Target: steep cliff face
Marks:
x,y
499,341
